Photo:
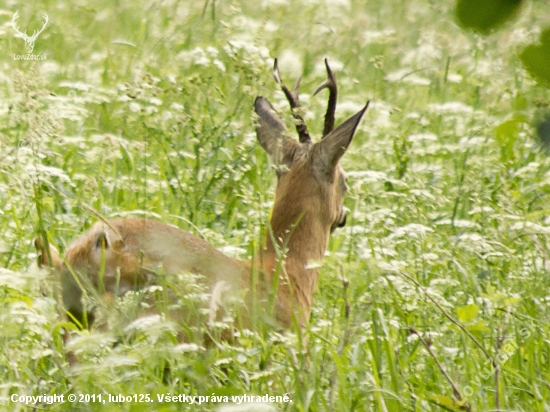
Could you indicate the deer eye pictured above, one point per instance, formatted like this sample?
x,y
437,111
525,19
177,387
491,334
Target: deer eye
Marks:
x,y
343,222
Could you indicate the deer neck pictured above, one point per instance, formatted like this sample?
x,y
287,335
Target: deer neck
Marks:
x,y
301,242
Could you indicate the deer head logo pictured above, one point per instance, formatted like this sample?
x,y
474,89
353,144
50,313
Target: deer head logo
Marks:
x,y
29,40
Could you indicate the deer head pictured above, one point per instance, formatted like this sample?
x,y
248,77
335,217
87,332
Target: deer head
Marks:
x,y
32,39
310,182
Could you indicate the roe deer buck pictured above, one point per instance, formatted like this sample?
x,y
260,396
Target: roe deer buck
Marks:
x,y
308,207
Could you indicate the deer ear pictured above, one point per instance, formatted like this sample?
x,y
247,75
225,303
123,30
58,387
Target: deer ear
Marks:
x,y
272,134
327,152
107,238
102,240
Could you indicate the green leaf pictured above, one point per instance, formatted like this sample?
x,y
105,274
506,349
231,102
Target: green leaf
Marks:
x,y
506,135
467,313
511,301
445,401
536,58
127,157
484,15
124,43
480,326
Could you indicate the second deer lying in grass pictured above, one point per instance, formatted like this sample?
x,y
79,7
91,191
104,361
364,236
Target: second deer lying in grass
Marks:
x,y
120,255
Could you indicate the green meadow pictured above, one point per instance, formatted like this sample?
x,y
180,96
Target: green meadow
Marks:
x,y
434,297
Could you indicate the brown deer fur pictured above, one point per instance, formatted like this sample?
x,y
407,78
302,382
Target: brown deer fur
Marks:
x,y
308,207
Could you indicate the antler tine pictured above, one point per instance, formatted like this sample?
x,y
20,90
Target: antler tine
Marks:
x,y
16,28
35,33
46,20
276,72
294,101
330,84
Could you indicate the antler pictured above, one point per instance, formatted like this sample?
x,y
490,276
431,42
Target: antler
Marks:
x,y
330,84
36,33
16,28
294,101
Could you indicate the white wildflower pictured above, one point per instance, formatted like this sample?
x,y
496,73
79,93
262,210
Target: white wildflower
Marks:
x,y
481,209
457,223
290,62
450,107
472,141
407,76
155,100
413,230
219,65
187,347
527,171
420,137
176,106
393,266
134,107
347,106
378,36
530,227
454,78
422,193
